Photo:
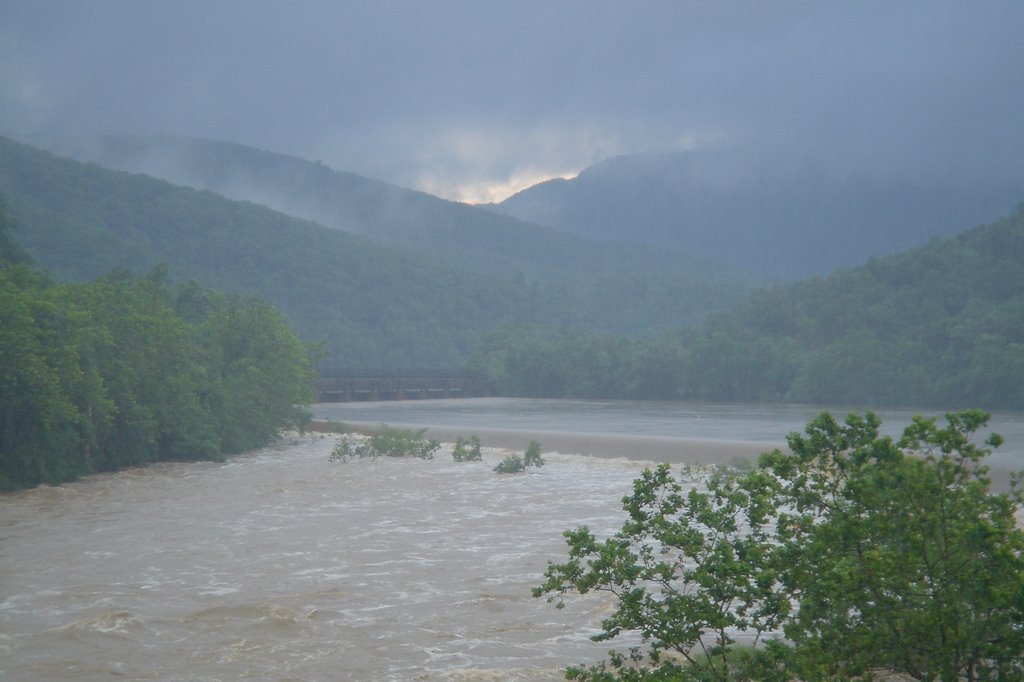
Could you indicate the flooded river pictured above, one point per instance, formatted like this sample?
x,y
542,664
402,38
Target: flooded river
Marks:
x,y
278,565
281,566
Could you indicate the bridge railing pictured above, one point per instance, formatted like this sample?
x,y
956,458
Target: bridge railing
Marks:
x,y
348,384
380,373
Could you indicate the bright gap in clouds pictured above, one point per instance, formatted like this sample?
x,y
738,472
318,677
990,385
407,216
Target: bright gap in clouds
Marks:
x,y
486,191
480,165
484,163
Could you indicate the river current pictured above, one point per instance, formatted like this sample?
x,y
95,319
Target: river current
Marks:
x,y
279,565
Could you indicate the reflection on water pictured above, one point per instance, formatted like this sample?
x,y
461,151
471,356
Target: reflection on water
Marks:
x,y
280,565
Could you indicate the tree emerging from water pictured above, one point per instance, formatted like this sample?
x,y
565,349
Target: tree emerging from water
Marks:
x,y
386,442
514,464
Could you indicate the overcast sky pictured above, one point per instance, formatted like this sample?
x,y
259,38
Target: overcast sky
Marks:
x,y
473,100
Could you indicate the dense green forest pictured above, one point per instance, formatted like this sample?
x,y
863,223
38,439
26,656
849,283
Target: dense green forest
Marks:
x,y
941,325
373,304
126,370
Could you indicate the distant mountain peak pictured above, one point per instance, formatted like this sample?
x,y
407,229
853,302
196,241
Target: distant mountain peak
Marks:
x,y
790,222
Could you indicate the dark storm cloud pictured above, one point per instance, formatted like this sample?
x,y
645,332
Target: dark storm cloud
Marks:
x,y
441,94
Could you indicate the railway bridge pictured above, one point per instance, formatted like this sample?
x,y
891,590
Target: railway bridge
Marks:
x,y
348,385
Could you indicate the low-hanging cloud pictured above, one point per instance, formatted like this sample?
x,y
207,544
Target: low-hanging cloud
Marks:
x,y
459,97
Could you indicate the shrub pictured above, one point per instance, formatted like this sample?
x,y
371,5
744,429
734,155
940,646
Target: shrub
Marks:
x,y
514,464
388,442
531,457
462,454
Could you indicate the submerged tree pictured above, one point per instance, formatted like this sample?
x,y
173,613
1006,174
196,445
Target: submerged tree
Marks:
x,y
514,464
387,442
460,453
868,555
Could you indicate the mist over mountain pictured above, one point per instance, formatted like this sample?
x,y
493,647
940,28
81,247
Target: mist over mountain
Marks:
x,y
470,238
788,220
372,303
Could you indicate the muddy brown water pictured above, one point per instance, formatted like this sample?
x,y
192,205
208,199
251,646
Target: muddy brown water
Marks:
x,y
278,565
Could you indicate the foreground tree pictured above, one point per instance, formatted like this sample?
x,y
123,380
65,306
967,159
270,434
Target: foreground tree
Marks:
x,y
899,554
867,554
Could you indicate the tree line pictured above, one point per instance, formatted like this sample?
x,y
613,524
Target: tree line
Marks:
x,y
127,370
942,325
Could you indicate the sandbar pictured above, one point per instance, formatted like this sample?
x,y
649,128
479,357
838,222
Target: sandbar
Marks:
x,y
637,447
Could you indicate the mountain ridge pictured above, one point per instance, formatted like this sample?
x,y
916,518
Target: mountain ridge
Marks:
x,y
374,304
788,222
469,236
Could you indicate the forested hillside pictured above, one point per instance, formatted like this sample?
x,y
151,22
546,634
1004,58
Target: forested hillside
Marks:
x,y
372,304
937,325
941,325
786,220
465,237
